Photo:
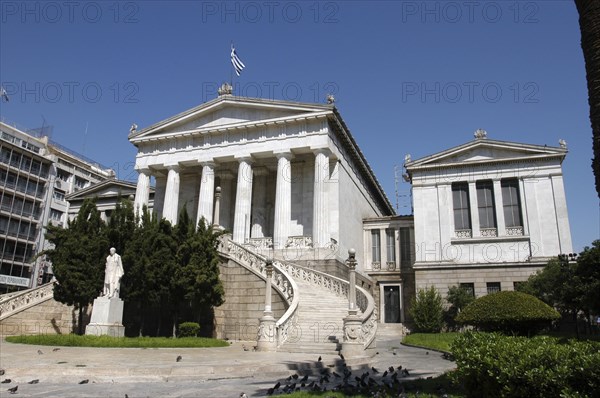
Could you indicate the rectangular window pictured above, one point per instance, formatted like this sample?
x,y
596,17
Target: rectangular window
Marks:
x,y
390,235
406,248
493,287
485,204
375,246
460,200
469,287
58,195
511,202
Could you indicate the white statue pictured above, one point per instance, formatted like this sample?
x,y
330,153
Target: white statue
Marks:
x,y
113,274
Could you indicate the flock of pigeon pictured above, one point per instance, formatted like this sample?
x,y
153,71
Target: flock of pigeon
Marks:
x,y
370,382
13,390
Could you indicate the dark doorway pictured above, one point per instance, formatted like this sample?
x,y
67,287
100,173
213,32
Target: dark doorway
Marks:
x,y
391,302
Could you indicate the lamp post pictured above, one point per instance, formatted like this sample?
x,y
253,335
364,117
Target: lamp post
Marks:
x,y
266,339
352,345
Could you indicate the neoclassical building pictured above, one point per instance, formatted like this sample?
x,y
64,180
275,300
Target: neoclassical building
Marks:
x,y
291,179
488,213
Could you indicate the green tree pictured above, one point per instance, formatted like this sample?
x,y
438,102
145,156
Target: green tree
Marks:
x,y
197,277
458,297
78,258
427,311
589,20
588,273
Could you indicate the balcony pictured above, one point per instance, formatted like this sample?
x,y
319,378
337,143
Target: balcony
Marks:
x,y
463,233
514,231
488,232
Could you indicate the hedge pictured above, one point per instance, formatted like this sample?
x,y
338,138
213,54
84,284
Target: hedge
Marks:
x,y
496,365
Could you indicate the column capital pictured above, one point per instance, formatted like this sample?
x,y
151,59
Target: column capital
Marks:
x,y
142,169
172,166
209,163
244,158
283,154
325,151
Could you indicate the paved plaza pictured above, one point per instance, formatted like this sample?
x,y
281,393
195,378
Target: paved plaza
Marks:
x,y
205,372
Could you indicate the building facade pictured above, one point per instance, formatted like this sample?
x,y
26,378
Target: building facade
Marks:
x,y
488,214
36,174
292,181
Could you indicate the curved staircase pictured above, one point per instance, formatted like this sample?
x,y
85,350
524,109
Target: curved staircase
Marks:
x,y
317,304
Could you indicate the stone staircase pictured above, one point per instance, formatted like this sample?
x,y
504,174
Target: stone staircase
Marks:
x,y
319,327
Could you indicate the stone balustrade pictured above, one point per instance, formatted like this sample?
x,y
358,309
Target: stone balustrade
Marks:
x,y
281,281
25,299
364,300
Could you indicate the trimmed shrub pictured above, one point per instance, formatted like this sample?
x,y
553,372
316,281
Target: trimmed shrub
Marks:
x,y
508,312
188,329
495,365
427,311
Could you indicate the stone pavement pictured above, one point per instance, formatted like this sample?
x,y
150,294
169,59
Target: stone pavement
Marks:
x,y
202,372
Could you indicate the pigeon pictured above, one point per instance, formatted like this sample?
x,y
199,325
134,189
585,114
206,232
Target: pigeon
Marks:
x,y
84,381
2,371
34,381
243,395
13,390
374,370
178,359
126,396
341,356
245,348
5,381
270,391
319,358
304,379
56,349
40,352
277,386
295,376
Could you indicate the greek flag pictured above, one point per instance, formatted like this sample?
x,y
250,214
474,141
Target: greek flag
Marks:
x,y
4,94
237,63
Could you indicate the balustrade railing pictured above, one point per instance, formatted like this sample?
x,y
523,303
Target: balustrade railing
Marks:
x,y
22,300
340,287
281,281
285,273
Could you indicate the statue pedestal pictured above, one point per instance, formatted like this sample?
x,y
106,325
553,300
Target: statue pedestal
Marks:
x,y
107,318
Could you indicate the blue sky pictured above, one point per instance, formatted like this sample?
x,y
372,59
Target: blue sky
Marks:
x,y
412,77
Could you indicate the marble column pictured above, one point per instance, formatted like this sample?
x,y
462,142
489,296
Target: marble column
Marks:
x,y
206,196
243,201
259,199
171,203
142,191
217,207
283,201
227,199
321,235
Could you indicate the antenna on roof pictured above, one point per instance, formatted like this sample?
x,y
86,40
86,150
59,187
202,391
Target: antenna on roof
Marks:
x,y
84,138
397,173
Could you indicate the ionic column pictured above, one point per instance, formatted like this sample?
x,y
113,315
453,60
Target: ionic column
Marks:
x,y
259,211
243,202
283,201
321,235
171,195
217,207
205,199
142,191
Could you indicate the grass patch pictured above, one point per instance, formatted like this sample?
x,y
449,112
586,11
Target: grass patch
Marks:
x,y
73,340
434,341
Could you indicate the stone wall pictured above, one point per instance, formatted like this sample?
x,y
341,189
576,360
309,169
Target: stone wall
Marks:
x,y
237,318
48,317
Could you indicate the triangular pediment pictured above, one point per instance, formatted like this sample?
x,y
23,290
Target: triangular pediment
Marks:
x,y
485,150
107,188
229,112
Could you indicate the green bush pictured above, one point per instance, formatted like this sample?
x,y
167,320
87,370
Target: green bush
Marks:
x,y
427,311
188,329
508,312
495,365
458,297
